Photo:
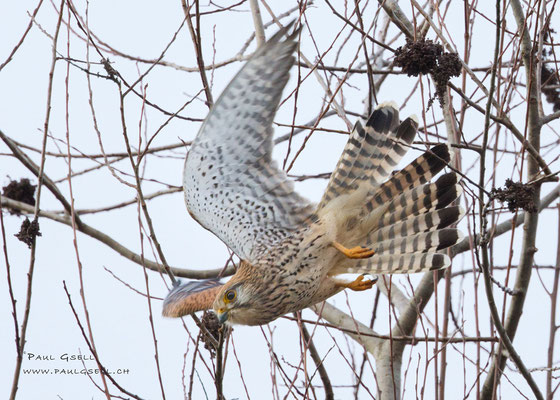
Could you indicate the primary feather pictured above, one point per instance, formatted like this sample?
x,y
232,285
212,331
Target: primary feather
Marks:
x,y
232,187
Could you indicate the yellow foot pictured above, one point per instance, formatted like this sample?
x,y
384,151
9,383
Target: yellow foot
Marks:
x,y
360,284
354,252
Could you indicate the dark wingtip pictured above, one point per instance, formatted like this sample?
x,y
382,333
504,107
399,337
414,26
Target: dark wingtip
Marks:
x,y
284,31
283,44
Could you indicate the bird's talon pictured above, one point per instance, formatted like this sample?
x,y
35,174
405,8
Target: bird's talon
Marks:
x,y
355,252
359,284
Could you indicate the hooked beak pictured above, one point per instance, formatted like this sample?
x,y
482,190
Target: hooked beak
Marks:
x,y
222,316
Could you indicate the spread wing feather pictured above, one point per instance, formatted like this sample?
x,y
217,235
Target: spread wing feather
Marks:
x,y
231,186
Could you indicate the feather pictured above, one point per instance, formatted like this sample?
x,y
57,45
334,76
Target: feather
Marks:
x,y
187,297
426,222
373,149
396,264
232,187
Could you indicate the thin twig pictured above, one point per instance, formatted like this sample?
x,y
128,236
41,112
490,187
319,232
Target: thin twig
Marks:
x,y
92,350
40,174
523,271
323,374
141,200
18,45
553,328
197,42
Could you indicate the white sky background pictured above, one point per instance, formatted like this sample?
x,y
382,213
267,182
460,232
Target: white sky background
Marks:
x,y
118,315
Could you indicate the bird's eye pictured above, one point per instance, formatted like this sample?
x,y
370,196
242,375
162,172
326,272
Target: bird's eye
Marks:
x,y
229,296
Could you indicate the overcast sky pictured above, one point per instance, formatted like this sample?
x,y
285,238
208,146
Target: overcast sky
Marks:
x,y
119,315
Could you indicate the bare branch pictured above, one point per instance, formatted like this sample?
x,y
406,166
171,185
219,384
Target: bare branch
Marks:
x,y
115,245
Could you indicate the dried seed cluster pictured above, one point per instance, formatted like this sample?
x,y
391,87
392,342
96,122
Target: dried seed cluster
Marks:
x,y
426,57
516,195
21,190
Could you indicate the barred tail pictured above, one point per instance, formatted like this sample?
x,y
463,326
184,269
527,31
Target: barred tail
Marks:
x,y
407,220
397,264
373,150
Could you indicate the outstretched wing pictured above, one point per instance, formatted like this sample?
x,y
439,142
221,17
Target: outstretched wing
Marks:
x,y
186,298
231,185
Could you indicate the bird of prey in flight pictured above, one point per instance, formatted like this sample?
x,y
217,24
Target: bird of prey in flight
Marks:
x,y
369,221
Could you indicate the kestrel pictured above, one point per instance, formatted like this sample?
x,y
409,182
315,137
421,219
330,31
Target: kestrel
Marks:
x,y
291,251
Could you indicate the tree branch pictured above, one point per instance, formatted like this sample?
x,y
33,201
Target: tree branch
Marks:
x,y
528,248
116,246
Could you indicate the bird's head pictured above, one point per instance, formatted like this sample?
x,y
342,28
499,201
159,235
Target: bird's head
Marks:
x,y
240,302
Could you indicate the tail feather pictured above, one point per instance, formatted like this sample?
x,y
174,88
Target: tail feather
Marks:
x,y
395,144
374,148
403,218
427,222
396,264
417,201
419,243
417,172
